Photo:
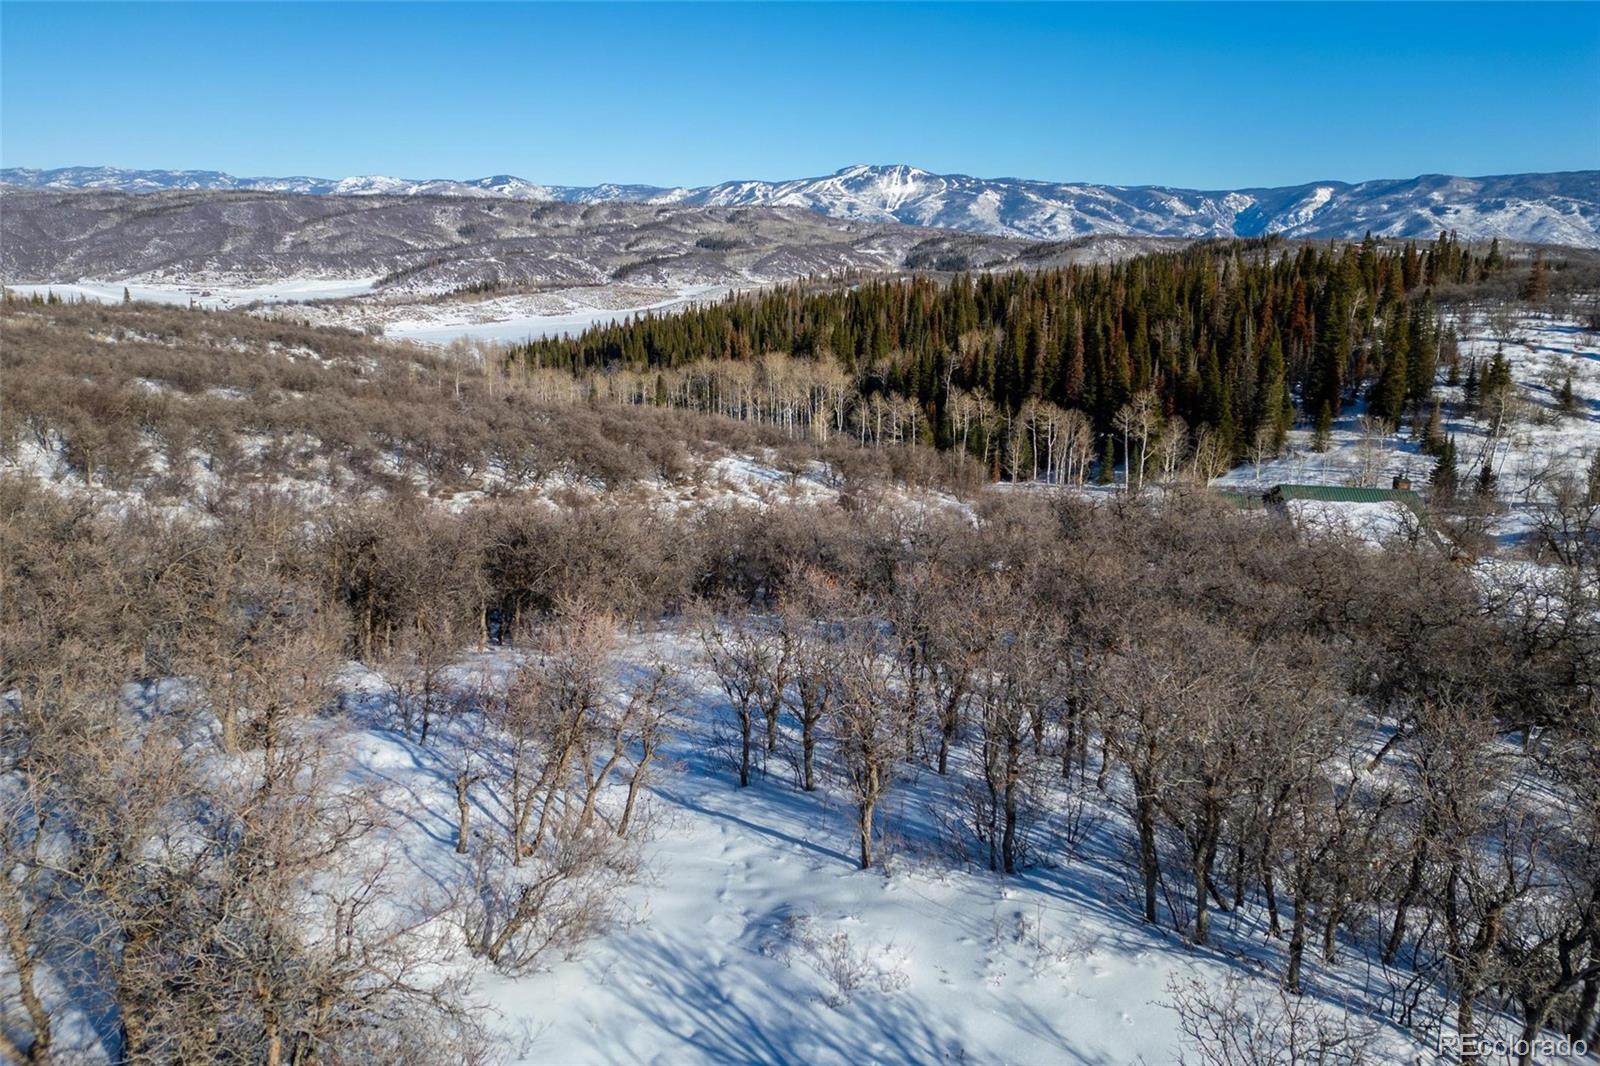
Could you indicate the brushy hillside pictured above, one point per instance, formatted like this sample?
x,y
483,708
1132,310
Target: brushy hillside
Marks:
x,y
365,704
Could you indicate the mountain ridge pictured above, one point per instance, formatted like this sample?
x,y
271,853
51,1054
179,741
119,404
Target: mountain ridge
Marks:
x,y
1551,208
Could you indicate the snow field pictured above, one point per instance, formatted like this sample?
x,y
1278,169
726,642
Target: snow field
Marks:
x,y
201,293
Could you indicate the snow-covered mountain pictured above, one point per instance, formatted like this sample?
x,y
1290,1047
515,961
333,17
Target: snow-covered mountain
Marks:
x,y
1561,208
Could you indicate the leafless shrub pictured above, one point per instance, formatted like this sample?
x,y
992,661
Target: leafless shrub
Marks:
x,y
1241,1024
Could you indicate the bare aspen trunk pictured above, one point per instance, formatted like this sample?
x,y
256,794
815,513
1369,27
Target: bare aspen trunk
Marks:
x,y
520,808
1008,840
1533,1019
274,1035
229,720
592,794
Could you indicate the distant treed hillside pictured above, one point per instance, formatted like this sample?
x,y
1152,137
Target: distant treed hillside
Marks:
x,y
1559,208
1231,337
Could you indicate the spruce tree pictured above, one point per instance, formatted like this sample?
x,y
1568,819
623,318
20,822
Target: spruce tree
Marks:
x,y
1566,398
1538,284
1389,394
1422,358
1444,479
1486,480
1495,385
1274,410
1332,352
1323,434
1450,355
1108,463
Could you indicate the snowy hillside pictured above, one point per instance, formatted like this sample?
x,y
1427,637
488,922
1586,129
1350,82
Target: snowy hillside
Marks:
x,y
1559,208
753,936
757,939
624,744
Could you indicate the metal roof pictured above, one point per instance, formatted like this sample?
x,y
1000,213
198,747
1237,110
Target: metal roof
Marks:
x,y
1344,494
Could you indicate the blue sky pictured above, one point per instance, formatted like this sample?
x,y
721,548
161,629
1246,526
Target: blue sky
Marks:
x,y
1190,95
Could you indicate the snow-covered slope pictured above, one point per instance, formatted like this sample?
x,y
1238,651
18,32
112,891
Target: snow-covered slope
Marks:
x,y
1559,208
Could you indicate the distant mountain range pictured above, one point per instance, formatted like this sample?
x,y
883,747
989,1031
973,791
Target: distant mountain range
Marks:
x,y
1562,208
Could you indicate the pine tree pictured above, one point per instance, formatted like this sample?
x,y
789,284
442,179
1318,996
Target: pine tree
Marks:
x,y
1323,434
1566,398
1493,261
1389,394
1486,480
127,297
1274,409
1422,359
1108,463
1538,284
1444,480
1073,376
1332,352
1450,355
1497,378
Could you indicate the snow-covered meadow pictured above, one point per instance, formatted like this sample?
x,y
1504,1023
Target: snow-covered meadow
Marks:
x,y
512,319
212,294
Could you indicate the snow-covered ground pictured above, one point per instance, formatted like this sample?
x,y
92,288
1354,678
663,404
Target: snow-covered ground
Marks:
x,y
502,320
753,919
512,319
1540,441
202,293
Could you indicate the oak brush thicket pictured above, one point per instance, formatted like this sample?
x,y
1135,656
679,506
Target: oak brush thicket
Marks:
x,y
1363,744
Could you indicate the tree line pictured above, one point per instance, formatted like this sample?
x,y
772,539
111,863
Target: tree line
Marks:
x,y
1236,338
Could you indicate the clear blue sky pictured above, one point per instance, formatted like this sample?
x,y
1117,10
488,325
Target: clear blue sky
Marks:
x,y
1190,95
